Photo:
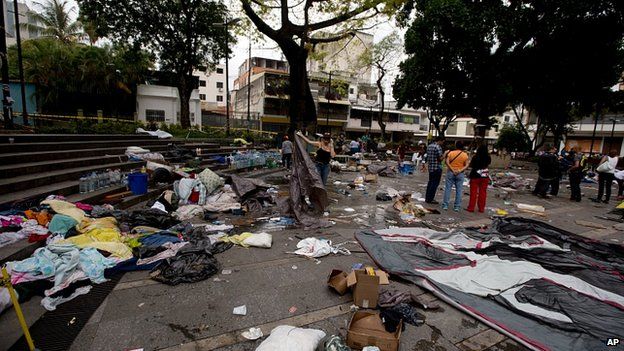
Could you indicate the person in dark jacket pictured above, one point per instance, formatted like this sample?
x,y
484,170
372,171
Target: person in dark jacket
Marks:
x,y
548,174
479,178
575,173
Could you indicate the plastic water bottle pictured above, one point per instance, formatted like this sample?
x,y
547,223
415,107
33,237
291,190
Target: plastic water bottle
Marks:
x,y
91,182
82,185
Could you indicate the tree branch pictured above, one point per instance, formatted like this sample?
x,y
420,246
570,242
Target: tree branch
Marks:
x,y
341,18
331,39
262,26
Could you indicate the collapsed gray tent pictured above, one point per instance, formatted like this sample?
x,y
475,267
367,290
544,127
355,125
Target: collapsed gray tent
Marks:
x,y
547,288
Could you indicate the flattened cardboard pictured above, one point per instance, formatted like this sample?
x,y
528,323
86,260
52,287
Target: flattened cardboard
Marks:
x,y
366,329
337,280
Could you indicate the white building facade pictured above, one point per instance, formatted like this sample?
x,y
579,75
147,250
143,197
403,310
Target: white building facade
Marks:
x,y
161,104
212,93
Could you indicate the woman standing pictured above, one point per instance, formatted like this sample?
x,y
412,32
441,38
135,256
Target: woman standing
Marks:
x,y
479,178
606,171
324,154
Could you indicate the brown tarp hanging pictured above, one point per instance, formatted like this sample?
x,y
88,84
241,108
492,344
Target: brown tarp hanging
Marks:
x,y
306,181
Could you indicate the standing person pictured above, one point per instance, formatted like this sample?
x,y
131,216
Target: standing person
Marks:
x,y
575,174
339,143
354,146
457,162
479,178
287,150
324,154
417,157
433,159
606,171
401,152
548,173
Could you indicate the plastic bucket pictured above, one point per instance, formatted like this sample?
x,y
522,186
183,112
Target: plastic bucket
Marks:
x,y
137,182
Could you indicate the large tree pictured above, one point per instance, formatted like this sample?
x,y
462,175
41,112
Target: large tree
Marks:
x,y
453,61
382,57
54,20
297,26
182,33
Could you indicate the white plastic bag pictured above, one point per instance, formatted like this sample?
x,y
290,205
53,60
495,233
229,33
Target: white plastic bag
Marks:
x,y
260,240
288,338
313,247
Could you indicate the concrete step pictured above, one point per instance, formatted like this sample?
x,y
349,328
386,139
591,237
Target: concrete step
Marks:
x,y
14,184
74,145
94,197
40,138
62,188
16,170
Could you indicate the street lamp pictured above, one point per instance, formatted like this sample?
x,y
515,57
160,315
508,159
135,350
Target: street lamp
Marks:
x,y
328,97
225,25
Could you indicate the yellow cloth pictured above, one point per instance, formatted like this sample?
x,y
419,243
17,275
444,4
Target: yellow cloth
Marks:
x,y
621,205
105,239
237,239
66,208
89,224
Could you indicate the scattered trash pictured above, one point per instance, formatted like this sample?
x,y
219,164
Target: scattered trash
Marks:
x,y
294,267
226,271
590,224
141,304
240,310
283,338
292,309
536,209
349,209
72,321
252,334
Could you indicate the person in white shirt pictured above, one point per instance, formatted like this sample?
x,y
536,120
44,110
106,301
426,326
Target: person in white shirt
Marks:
x,y
606,176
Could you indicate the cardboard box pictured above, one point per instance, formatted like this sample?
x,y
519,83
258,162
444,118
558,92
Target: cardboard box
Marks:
x,y
366,287
366,329
370,178
337,280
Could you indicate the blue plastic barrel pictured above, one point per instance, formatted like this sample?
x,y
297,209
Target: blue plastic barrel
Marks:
x,y
137,182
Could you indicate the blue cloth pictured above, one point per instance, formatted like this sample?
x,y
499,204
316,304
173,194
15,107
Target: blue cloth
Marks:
x,y
157,240
458,182
93,264
432,184
61,224
323,169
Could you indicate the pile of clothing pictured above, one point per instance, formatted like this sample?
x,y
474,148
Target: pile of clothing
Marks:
x,y
510,180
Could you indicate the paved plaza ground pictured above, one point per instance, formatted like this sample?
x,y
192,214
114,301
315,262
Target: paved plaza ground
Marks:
x,y
142,313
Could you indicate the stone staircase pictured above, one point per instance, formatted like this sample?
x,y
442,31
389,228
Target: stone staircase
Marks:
x,y
33,166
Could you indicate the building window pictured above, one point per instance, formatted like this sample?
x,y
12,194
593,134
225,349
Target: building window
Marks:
x,y
507,118
155,115
202,97
219,84
219,70
202,83
219,98
351,91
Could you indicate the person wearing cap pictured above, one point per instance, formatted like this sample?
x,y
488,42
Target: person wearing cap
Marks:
x,y
324,154
287,150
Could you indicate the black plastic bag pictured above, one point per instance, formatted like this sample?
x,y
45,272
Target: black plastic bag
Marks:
x,y
191,264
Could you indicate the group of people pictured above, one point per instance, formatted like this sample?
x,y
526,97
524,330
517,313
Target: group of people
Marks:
x,y
457,162
552,166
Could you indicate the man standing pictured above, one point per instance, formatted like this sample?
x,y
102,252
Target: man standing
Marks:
x,y
434,157
575,173
287,150
457,162
548,174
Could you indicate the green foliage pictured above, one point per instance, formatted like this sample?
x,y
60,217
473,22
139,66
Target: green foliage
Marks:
x,y
88,127
54,20
512,138
180,32
453,61
73,76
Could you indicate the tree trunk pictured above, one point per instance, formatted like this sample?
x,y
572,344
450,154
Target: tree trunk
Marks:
x,y
301,109
185,89
382,95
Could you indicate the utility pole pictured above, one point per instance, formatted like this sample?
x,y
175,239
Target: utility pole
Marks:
x,y
20,64
227,80
591,147
6,92
328,103
249,89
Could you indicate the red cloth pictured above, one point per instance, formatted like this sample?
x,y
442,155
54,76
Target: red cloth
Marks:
x,y
478,193
36,237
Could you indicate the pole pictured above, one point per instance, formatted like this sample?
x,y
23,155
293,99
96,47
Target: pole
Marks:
x,y
591,147
249,89
20,64
6,92
18,310
227,80
328,103
611,139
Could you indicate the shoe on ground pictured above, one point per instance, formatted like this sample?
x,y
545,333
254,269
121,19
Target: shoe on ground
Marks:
x,y
445,207
594,199
433,202
456,209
